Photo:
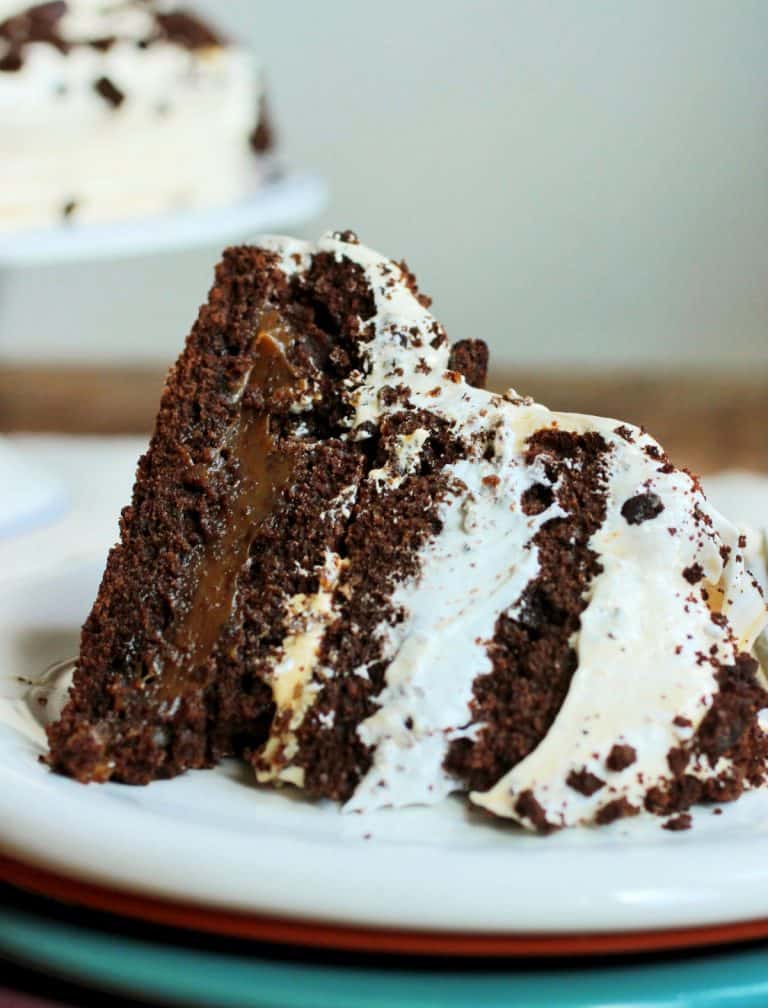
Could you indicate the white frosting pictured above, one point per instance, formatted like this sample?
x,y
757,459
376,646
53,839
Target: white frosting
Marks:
x,y
48,697
293,687
178,140
647,633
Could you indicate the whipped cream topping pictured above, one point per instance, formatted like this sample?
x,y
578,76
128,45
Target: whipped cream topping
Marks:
x,y
128,128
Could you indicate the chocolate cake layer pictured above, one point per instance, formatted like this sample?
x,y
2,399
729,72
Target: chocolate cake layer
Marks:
x,y
148,700
532,652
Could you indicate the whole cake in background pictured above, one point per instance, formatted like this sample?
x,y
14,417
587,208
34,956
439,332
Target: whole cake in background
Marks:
x,y
350,564
118,108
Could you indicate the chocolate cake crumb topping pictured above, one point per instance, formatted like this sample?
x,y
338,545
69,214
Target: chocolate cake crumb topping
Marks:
x,y
584,782
470,358
188,30
619,808
729,730
103,44
694,573
730,721
679,822
11,61
641,508
109,92
410,281
262,138
625,432
678,758
537,498
346,236
620,757
40,24
36,24
527,807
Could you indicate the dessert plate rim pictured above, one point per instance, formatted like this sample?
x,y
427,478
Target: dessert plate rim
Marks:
x,y
321,934
250,857
283,199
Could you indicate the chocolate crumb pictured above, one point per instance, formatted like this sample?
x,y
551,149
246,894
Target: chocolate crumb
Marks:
x,y
103,44
619,808
641,508
584,782
188,30
527,807
677,758
537,498
694,573
109,92
470,358
262,138
620,757
347,236
625,432
679,822
11,62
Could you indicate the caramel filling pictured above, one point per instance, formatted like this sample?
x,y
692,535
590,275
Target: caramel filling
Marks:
x,y
264,472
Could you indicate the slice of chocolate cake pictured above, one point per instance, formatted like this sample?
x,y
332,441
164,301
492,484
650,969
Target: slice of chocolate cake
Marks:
x,y
380,583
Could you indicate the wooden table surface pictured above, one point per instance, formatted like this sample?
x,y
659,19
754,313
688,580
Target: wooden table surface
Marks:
x,y
706,421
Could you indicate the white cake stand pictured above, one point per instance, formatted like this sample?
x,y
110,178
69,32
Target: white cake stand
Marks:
x,y
30,498
285,200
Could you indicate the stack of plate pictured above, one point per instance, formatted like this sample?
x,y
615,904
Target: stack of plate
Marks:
x,y
210,890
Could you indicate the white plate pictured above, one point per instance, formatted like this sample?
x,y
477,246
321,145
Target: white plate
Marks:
x,y
30,497
215,838
282,202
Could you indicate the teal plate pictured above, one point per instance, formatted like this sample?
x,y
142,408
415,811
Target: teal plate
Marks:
x,y
219,980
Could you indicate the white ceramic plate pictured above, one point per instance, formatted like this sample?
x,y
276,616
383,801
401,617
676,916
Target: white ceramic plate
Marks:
x,y
215,838
285,201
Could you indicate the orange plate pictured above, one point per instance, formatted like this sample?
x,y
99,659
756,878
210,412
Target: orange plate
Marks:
x,y
317,934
